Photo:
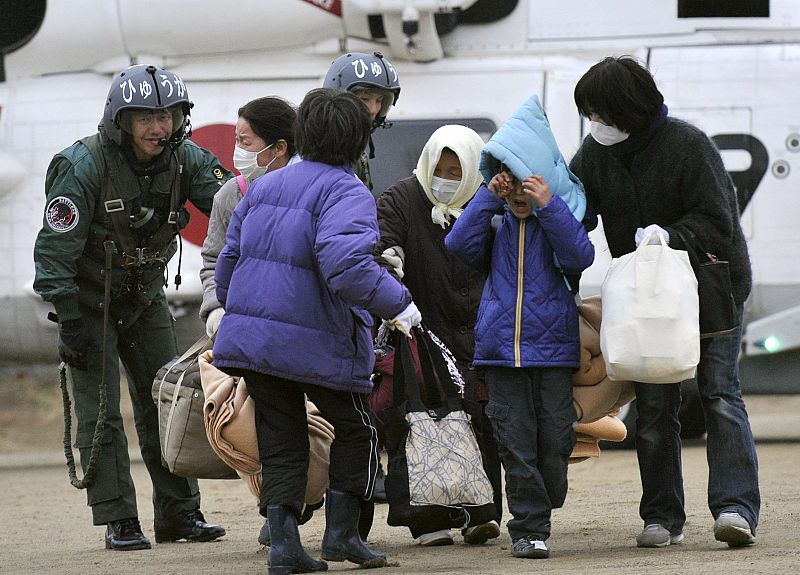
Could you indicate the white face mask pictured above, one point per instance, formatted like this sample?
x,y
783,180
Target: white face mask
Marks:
x,y
607,135
444,190
247,162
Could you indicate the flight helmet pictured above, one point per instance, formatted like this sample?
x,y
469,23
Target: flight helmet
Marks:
x,y
146,87
356,70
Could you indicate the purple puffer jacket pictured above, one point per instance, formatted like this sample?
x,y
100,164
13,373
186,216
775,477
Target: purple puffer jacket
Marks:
x,y
527,316
298,280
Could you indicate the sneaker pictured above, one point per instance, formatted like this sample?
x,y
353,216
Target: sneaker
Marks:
x,y
478,534
530,548
436,538
126,535
654,535
733,529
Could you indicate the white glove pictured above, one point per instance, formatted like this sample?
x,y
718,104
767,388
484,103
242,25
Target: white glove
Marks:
x,y
641,234
394,257
212,322
407,319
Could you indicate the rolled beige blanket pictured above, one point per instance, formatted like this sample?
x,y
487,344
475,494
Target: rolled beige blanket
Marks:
x,y
229,415
594,394
607,428
585,447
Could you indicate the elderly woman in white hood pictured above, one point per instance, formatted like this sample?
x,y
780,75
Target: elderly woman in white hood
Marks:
x,y
414,216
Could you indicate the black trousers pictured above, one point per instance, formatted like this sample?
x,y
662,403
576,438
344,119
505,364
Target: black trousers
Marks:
x,y
485,435
282,432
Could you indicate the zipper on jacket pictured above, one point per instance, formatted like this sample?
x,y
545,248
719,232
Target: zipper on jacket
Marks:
x,y
518,310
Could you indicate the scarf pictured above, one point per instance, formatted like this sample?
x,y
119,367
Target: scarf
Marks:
x,y
467,145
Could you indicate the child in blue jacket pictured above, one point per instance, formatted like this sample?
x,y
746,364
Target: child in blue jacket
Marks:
x,y
526,339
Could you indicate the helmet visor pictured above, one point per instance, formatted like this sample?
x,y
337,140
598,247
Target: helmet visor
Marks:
x,y
151,116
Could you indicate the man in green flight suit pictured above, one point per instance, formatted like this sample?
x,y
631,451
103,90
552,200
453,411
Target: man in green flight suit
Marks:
x,y
115,204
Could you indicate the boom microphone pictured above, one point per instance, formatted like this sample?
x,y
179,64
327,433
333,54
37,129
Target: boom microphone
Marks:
x,y
162,142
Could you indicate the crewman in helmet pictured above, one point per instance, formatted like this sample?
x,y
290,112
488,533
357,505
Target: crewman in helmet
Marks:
x,y
114,208
374,80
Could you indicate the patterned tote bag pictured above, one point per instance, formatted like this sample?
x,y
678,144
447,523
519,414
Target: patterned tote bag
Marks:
x,y
436,476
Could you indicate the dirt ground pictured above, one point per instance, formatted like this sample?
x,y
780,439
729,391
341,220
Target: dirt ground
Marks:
x,y
46,528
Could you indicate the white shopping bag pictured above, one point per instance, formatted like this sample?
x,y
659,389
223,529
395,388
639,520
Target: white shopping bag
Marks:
x,y
650,329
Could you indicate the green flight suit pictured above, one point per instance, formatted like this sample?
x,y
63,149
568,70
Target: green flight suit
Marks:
x,y
69,273
361,170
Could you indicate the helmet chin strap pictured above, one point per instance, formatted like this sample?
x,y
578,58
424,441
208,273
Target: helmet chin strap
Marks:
x,y
178,136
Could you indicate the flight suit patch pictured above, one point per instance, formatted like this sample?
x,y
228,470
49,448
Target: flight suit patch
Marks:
x,y
62,214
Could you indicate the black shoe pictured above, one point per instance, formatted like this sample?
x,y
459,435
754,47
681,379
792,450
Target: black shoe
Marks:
x,y
379,493
263,534
189,525
126,535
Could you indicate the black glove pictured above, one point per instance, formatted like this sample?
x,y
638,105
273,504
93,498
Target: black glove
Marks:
x,y
73,342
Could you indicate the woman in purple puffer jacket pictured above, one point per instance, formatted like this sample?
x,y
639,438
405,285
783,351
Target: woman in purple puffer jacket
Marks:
x,y
298,283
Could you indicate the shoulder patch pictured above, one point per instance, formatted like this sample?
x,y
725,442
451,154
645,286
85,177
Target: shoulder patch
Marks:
x,y
61,214
218,173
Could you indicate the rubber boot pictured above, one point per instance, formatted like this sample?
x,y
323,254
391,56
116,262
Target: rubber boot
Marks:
x,y
341,540
286,553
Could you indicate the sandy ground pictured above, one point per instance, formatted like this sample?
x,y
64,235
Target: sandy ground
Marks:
x,y
46,528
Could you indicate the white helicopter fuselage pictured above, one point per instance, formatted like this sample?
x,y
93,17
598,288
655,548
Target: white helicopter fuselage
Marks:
x,y
735,77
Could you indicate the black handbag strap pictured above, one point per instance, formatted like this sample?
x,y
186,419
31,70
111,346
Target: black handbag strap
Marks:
x,y
405,387
697,255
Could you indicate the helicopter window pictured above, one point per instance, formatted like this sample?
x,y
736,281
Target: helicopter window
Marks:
x,y
397,149
723,8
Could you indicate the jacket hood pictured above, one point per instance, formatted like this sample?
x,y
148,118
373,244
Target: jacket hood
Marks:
x,y
527,146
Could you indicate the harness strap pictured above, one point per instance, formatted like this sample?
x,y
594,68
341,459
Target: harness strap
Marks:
x,y
118,212
112,204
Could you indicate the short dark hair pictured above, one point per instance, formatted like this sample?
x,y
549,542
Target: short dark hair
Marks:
x,y
333,127
271,118
621,91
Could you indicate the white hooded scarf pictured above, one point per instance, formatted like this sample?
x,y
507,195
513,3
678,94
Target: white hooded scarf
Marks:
x,y
467,145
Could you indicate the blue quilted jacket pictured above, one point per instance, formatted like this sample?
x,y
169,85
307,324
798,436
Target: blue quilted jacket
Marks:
x,y
298,280
527,316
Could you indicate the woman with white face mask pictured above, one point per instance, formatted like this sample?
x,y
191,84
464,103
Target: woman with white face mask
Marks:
x,y
648,174
264,143
414,216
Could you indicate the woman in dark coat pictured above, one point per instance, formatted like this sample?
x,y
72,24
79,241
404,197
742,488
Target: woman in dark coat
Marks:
x,y
414,216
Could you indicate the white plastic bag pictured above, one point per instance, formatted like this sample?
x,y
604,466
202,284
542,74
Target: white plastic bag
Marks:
x,y
650,331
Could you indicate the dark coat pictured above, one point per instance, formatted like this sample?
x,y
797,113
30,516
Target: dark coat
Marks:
x,y
446,290
676,180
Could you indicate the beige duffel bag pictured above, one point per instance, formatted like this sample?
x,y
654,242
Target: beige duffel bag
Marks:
x,y
185,449
229,415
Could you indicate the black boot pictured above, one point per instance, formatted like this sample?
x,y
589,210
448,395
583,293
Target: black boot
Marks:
x,y
263,533
365,518
286,553
341,540
189,525
126,535
379,492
